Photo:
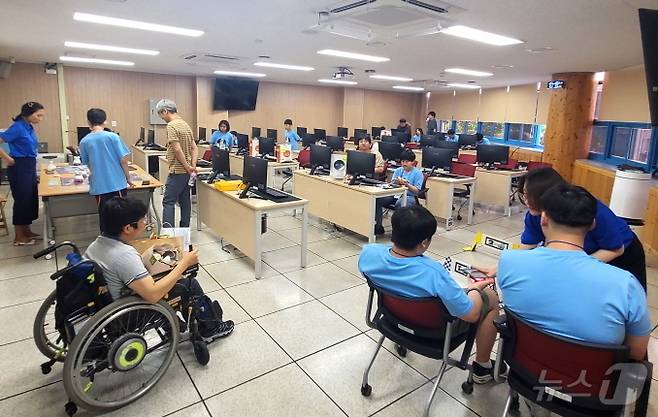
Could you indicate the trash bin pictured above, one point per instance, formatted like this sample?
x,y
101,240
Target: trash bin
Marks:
x,y
630,194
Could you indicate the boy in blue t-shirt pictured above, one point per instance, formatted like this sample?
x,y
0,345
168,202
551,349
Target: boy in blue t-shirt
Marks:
x,y
404,270
407,176
291,136
451,137
107,158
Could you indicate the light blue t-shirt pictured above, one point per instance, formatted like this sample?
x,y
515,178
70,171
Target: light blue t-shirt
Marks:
x,y
415,138
453,138
102,152
227,138
416,277
415,178
484,141
571,294
293,138
22,139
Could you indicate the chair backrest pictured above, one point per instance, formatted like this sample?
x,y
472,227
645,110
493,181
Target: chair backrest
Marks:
x,y
423,190
511,164
467,158
304,158
207,155
536,164
464,169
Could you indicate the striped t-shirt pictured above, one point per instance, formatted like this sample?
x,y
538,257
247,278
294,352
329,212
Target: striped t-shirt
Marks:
x,y
179,131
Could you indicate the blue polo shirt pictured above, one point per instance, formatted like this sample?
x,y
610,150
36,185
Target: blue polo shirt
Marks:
x,y
102,152
293,138
22,139
227,138
571,294
415,277
415,178
415,138
484,141
453,138
610,232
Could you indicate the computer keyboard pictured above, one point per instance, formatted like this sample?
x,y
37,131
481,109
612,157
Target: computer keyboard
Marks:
x,y
269,194
371,181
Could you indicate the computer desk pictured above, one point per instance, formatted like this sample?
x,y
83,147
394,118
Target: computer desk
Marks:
x,y
236,163
440,195
494,187
140,157
239,222
74,200
349,206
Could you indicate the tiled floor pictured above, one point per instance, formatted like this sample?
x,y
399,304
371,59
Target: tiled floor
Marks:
x,y
300,344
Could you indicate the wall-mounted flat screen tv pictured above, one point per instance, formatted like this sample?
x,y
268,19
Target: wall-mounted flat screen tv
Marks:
x,y
235,94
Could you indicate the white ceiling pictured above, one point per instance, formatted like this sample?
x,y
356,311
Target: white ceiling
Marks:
x,y
588,35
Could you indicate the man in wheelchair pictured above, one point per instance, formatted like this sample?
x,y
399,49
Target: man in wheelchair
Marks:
x,y
124,220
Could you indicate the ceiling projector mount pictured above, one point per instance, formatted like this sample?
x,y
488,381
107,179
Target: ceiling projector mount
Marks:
x,y
343,73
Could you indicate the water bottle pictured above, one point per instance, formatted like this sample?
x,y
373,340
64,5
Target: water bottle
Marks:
x,y
192,179
222,145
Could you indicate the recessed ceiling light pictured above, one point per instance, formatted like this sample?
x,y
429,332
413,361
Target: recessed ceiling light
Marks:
x,y
391,78
330,81
95,61
283,66
408,87
468,72
96,47
240,73
460,85
480,35
541,49
135,24
502,66
353,55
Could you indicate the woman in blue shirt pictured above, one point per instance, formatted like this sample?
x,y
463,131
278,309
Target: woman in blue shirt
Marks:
x,y
223,138
22,170
417,134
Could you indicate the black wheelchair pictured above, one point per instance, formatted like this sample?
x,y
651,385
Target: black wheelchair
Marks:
x,y
114,351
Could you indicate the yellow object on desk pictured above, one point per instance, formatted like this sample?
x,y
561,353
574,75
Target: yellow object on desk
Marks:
x,y
232,185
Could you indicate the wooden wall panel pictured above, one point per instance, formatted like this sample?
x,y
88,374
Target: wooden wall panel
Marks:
x,y
526,155
28,82
385,108
353,100
206,116
597,180
493,105
443,105
624,96
467,105
522,103
543,103
649,233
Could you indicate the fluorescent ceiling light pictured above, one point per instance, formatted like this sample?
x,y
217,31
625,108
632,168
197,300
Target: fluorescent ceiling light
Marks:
x,y
110,48
352,55
330,81
468,72
599,76
95,61
241,74
408,87
283,66
480,35
459,85
391,78
135,24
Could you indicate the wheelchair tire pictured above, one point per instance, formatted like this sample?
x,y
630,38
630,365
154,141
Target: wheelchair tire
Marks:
x,y
46,337
112,343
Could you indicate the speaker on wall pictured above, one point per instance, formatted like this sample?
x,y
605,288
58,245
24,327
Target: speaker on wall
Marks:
x,y
649,30
5,69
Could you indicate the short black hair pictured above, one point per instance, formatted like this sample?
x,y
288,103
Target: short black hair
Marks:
x,y
432,114
420,130
535,183
287,122
451,131
96,117
225,123
569,205
407,155
403,120
366,137
412,225
118,212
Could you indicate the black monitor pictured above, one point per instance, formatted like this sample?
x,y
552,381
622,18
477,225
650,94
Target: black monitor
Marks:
x,y
141,137
444,144
82,132
202,133
335,143
150,139
428,140
266,146
437,158
390,139
308,139
360,133
491,154
396,132
220,162
243,142
360,164
212,131
342,132
271,133
320,157
468,140
320,134
255,132
301,131
403,137
376,131
254,173
390,150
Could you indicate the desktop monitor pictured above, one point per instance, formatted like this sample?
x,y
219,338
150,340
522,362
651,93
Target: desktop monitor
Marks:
x,y
360,133
397,132
342,132
444,144
491,154
437,158
255,132
150,139
390,139
212,131
361,163
320,157
82,132
428,140
202,133
335,143
390,150
320,134
271,133
308,139
376,131
301,131
403,137
243,142
266,146
220,162
142,135
467,140
254,172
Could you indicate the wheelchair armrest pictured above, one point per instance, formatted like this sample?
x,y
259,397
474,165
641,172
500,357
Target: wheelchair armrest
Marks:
x,y
500,323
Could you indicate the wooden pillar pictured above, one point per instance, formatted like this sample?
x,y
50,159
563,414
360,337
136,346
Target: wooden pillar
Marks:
x,y
570,118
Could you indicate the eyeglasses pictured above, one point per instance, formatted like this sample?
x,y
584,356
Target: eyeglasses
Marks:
x,y
147,226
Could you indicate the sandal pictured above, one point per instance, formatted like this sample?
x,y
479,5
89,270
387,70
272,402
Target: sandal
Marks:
x,y
36,236
30,242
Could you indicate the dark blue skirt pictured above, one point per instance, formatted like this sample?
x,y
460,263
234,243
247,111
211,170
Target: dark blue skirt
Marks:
x,y
23,183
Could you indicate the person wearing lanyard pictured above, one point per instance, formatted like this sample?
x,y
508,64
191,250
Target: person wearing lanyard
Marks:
x,y
22,170
610,240
223,138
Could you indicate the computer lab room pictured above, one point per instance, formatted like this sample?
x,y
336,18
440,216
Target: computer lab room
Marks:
x,y
329,208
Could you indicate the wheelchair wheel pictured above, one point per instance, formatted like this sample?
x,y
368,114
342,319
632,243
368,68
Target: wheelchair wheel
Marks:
x,y
120,354
48,339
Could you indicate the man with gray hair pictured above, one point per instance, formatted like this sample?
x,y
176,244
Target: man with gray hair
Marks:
x,y
181,155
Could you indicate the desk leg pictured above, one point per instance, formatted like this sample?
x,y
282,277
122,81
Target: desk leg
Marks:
x,y
508,189
304,236
471,201
198,205
371,231
258,262
155,211
46,220
271,173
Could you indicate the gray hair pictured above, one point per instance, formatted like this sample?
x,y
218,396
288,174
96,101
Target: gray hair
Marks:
x,y
166,104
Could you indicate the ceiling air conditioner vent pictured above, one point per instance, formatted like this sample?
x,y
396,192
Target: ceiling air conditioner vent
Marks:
x,y
423,5
350,6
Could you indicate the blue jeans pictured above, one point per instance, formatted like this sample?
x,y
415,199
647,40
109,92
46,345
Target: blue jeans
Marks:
x,y
177,189
387,201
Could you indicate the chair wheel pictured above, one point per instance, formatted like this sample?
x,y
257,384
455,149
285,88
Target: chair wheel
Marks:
x,y
401,350
70,408
46,368
459,217
201,352
366,390
467,387
514,405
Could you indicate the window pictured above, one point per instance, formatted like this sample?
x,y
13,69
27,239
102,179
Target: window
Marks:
x,y
630,143
621,141
597,144
522,132
493,130
466,126
444,125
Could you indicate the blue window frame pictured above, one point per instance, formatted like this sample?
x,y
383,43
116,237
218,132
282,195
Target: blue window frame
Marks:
x,y
527,135
617,143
